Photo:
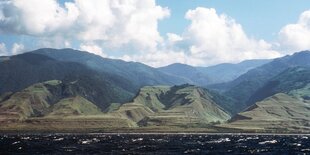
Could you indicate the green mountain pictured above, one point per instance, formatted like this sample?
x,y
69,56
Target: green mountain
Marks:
x,y
279,113
174,106
20,71
57,98
227,72
281,105
65,105
213,74
130,76
242,88
74,106
291,79
188,72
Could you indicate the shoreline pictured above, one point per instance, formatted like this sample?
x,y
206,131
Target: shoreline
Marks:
x,y
154,133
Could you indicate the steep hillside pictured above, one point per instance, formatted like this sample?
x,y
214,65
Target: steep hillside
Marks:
x,y
74,106
290,79
21,71
57,98
278,113
247,84
177,105
130,76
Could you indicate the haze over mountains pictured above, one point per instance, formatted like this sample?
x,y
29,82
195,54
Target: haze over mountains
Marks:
x,y
39,87
214,74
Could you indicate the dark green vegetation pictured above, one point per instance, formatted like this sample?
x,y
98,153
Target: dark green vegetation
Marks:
x,y
21,71
242,88
291,79
130,76
69,90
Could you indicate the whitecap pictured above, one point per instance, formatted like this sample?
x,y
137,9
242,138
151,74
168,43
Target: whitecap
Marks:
x,y
58,139
268,142
221,140
138,139
16,142
25,138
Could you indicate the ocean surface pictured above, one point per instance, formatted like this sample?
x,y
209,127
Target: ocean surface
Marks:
x,y
153,144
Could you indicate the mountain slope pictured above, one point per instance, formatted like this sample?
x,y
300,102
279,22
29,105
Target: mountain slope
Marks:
x,y
191,73
227,72
21,71
212,74
247,84
57,98
74,106
278,113
177,105
135,75
290,79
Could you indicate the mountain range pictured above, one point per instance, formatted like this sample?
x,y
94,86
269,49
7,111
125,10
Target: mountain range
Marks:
x,y
71,90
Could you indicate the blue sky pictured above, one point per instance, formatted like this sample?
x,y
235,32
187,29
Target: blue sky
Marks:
x,y
158,32
260,19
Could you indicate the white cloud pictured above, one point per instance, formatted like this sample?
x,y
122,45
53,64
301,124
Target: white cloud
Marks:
x,y
92,48
17,48
36,17
296,37
3,50
116,23
163,58
219,38
172,38
131,25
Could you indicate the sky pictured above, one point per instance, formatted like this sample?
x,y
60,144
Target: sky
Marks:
x,y
158,32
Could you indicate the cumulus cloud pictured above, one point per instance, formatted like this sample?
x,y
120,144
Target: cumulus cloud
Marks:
x,y
36,17
131,26
219,38
17,48
172,37
163,57
296,37
116,23
3,50
209,39
92,48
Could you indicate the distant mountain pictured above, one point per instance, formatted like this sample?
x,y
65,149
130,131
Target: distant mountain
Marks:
x,y
191,73
279,113
177,105
242,88
214,74
131,76
227,72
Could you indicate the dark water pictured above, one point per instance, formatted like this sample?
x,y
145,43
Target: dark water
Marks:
x,y
154,144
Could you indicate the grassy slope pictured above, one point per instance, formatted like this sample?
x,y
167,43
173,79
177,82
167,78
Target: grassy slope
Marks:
x,y
242,88
280,112
74,106
173,106
32,101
